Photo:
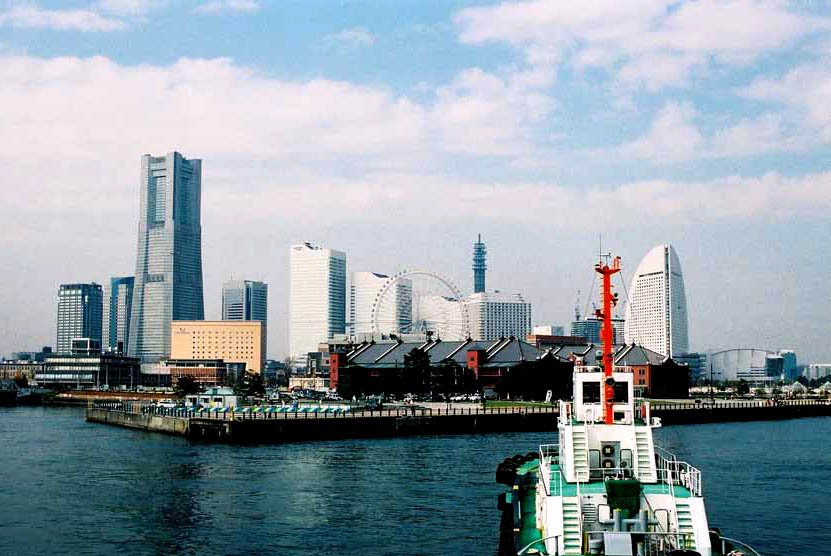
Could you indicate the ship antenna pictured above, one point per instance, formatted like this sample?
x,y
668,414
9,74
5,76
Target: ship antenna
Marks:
x,y
606,332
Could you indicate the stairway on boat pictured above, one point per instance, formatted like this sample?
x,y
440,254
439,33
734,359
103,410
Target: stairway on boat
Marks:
x,y
644,449
572,537
579,445
685,523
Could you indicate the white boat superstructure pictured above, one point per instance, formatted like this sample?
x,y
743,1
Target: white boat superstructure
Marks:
x,y
604,487
607,488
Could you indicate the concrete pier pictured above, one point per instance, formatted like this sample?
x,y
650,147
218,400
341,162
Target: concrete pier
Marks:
x,y
273,428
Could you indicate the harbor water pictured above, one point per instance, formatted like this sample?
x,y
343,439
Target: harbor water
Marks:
x,y
71,487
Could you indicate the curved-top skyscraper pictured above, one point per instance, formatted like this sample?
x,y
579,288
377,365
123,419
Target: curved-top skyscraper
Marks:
x,y
656,314
168,282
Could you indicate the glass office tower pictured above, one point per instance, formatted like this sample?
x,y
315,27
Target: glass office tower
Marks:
x,y
168,281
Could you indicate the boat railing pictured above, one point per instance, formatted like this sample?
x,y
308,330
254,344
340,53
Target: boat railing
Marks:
x,y
550,455
643,411
597,369
533,545
672,471
597,473
566,414
728,544
657,543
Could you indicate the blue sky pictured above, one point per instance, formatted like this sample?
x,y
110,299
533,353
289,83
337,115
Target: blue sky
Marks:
x,y
398,130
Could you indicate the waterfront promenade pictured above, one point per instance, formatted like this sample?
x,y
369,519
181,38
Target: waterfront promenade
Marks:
x,y
276,424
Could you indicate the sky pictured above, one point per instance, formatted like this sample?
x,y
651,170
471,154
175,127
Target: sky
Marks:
x,y
398,130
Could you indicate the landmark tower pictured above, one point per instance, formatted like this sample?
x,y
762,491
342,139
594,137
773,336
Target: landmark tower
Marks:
x,y
168,279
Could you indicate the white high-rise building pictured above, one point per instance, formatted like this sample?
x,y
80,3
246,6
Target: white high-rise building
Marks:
x,y
494,315
364,292
317,297
656,315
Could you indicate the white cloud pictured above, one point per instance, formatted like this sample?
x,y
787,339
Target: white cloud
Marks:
x,y
62,20
221,6
218,108
672,137
354,37
805,90
129,7
753,136
482,113
650,43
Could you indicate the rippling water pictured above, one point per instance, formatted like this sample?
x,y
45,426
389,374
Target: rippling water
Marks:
x,y
69,487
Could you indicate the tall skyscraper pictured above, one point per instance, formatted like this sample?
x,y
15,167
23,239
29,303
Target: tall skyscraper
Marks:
x,y
80,308
168,282
317,297
246,300
656,315
495,315
480,254
394,317
118,305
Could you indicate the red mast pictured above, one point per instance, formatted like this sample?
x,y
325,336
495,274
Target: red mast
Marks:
x,y
607,335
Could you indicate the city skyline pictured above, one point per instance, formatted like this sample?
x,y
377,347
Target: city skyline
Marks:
x,y
397,135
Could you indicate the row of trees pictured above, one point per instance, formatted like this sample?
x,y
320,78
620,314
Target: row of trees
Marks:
x,y
249,384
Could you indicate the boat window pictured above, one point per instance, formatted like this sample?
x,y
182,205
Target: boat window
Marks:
x,y
621,392
591,392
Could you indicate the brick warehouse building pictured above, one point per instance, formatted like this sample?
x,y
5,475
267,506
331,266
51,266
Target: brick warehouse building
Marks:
x,y
508,367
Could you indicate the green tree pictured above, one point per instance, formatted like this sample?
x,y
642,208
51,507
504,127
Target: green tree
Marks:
x,y
417,371
743,387
250,384
761,392
185,386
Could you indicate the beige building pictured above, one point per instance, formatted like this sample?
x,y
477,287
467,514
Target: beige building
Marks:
x,y
231,341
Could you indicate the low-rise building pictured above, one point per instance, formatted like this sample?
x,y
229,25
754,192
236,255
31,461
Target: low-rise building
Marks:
x,y
230,341
214,397
89,370
205,372
10,370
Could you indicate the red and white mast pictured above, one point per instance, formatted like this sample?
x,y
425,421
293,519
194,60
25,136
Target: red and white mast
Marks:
x,y
607,335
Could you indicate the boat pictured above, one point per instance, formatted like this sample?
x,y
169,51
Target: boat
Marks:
x,y
604,487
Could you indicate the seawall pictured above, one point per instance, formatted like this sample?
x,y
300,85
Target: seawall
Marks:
x,y
689,414
275,428
145,421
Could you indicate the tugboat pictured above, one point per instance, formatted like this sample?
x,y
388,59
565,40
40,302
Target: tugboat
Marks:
x,y
605,488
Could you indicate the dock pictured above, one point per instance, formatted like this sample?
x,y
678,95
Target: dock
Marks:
x,y
273,425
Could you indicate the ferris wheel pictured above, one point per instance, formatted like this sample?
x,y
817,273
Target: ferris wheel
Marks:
x,y
420,301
